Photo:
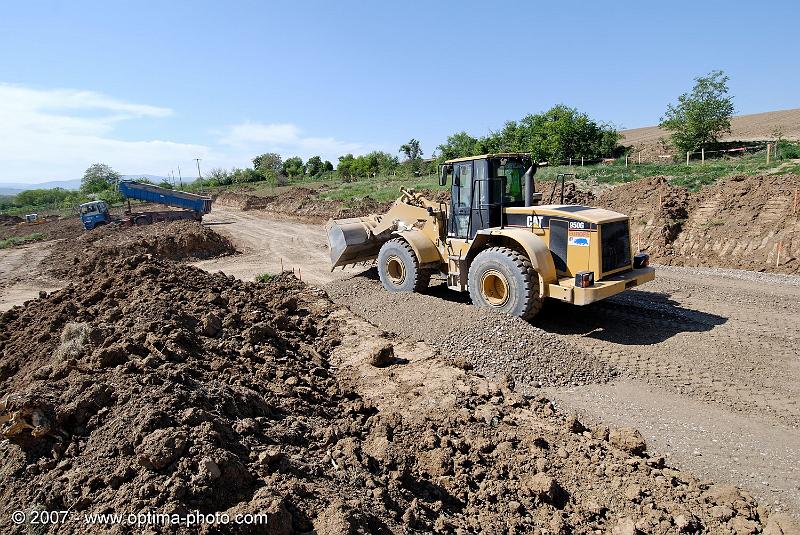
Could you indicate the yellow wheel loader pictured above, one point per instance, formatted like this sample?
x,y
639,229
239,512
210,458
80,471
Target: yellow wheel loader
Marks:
x,y
495,240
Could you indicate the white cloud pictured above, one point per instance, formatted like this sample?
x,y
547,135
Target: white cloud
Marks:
x,y
57,133
286,139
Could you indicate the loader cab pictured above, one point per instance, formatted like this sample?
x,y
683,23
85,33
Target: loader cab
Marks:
x,y
481,187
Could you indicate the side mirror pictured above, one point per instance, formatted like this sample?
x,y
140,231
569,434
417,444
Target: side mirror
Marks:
x,y
443,170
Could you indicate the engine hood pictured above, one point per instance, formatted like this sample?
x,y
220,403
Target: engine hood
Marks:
x,y
570,211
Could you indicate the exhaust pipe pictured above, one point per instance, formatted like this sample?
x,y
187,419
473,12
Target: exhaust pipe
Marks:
x,y
529,185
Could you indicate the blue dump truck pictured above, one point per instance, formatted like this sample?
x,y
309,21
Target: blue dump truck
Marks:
x,y
190,206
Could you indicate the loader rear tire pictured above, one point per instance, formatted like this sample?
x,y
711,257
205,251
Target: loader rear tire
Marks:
x,y
399,269
504,280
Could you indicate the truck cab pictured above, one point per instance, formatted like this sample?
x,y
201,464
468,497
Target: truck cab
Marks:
x,y
94,214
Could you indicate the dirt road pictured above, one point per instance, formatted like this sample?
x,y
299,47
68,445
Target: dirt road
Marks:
x,y
707,359
21,277
267,243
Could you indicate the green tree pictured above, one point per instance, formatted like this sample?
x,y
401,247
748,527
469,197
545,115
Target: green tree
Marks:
x,y
457,146
314,166
166,184
345,167
327,166
411,150
269,161
702,116
99,177
293,167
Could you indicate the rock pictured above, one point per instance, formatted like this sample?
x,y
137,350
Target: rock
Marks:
x,y
573,425
211,325
628,439
209,469
743,526
161,448
633,493
625,526
722,513
600,432
382,355
540,486
686,523
336,519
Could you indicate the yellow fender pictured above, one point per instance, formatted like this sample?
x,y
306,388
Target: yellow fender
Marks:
x,y
535,248
424,248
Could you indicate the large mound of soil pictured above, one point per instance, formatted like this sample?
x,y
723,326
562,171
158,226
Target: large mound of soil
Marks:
x,y
176,240
739,222
151,386
52,227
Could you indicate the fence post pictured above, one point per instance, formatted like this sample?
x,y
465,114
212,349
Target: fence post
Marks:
x,y
626,160
581,161
769,148
703,156
794,202
640,157
687,157
570,161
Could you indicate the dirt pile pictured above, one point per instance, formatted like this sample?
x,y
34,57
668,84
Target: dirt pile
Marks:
x,y
302,202
151,386
739,222
176,240
53,228
493,344
9,220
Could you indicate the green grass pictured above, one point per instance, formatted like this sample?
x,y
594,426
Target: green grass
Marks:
x,y
693,176
264,277
19,240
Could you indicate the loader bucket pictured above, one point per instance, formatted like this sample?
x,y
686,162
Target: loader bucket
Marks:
x,y
351,241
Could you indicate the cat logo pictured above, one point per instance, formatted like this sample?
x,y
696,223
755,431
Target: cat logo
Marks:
x,y
535,221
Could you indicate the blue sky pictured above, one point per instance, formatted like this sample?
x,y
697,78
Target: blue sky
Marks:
x,y
146,86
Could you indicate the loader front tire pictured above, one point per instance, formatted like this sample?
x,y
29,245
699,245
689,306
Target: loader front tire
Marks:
x,y
504,280
399,269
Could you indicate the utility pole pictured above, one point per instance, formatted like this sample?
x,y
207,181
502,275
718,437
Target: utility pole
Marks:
x,y
180,179
199,177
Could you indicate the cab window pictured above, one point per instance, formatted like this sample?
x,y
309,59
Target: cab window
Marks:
x,y
88,209
513,172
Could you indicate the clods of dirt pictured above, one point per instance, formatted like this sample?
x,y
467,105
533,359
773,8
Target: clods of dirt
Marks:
x,y
176,240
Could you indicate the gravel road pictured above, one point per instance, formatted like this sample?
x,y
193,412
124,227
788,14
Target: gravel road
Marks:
x,y
705,361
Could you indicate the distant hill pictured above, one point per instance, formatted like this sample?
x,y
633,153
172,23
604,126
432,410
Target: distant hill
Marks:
x,y
753,127
12,188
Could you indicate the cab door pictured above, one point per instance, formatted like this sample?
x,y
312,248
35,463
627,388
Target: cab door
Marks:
x,y
461,200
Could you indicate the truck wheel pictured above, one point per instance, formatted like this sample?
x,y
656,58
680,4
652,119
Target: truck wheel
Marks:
x,y
399,269
503,279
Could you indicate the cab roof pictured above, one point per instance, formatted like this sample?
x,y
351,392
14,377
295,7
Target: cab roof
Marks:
x,y
491,155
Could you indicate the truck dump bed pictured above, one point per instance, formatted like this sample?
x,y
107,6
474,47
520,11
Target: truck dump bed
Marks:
x,y
167,197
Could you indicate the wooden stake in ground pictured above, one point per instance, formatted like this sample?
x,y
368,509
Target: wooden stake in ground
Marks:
x,y
794,203
638,243
281,265
778,256
687,157
769,149
703,156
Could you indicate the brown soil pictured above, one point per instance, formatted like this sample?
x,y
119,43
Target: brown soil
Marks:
x,y
754,127
738,222
53,228
177,240
147,385
302,202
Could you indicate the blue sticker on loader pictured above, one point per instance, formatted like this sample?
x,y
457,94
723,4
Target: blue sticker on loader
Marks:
x,y
579,241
